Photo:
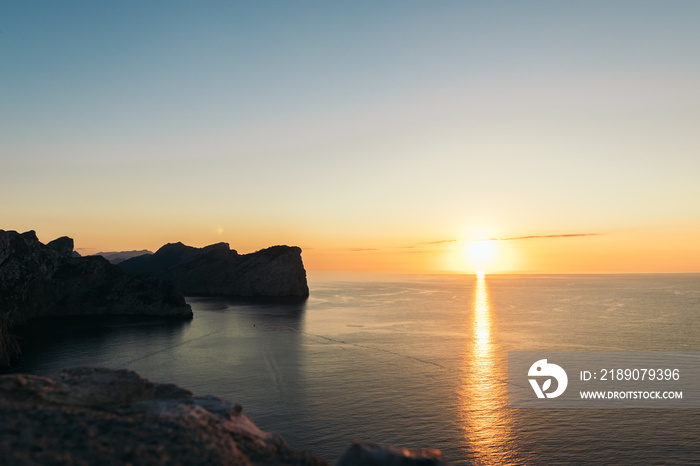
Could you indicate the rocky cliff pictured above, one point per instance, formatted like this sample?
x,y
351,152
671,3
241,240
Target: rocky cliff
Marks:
x,y
38,280
217,270
115,417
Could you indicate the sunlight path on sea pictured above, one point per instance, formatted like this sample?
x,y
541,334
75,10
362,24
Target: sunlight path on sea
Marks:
x,y
485,422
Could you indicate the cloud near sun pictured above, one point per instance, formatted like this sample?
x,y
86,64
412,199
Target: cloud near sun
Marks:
x,y
446,241
566,235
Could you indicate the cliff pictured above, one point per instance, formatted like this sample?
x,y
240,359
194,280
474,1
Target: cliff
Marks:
x,y
38,280
115,417
217,270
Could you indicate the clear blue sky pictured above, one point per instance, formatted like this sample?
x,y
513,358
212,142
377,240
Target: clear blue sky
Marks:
x,y
347,124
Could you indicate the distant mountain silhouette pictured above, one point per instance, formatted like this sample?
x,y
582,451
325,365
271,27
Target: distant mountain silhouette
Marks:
x,y
116,257
217,270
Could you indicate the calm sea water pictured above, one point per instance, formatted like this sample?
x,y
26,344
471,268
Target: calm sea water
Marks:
x,y
413,361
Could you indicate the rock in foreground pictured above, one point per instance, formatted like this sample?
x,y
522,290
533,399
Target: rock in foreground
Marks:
x,y
115,417
110,417
217,270
373,454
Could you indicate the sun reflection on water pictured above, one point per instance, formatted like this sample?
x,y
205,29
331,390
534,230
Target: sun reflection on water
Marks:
x,y
484,396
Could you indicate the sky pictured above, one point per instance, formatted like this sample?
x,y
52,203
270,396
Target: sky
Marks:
x,y
396,136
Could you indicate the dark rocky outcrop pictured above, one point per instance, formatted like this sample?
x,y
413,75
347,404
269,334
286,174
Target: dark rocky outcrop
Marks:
x,y
9,349
373,454
38,280
115,417
217,270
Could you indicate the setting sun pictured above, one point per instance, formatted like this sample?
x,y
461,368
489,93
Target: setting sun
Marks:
x,y
481,255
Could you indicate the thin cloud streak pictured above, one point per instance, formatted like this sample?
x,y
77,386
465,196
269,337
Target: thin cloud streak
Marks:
x,y
412,246
441,241
514,238
419,247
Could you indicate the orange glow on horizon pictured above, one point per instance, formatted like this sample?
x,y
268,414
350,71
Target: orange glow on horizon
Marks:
x,y
634,252
673,248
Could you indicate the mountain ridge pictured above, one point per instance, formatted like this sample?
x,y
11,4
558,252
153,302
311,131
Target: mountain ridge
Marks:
x,y
218,270
115,257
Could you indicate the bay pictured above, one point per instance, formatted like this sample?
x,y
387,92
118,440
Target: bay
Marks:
x,y
415,361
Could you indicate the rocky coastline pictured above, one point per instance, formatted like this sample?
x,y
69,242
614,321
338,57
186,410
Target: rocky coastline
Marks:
x,y
38,281
110,417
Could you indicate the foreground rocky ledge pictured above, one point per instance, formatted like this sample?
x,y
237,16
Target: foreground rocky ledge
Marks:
x,y
109,417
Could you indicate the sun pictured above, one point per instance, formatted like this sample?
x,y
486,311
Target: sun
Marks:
x,y
481,255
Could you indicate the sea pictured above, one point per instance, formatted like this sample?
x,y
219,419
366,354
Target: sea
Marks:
x,y
416,361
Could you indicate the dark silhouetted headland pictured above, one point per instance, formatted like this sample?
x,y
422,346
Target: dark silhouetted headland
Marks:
x,y
217,270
